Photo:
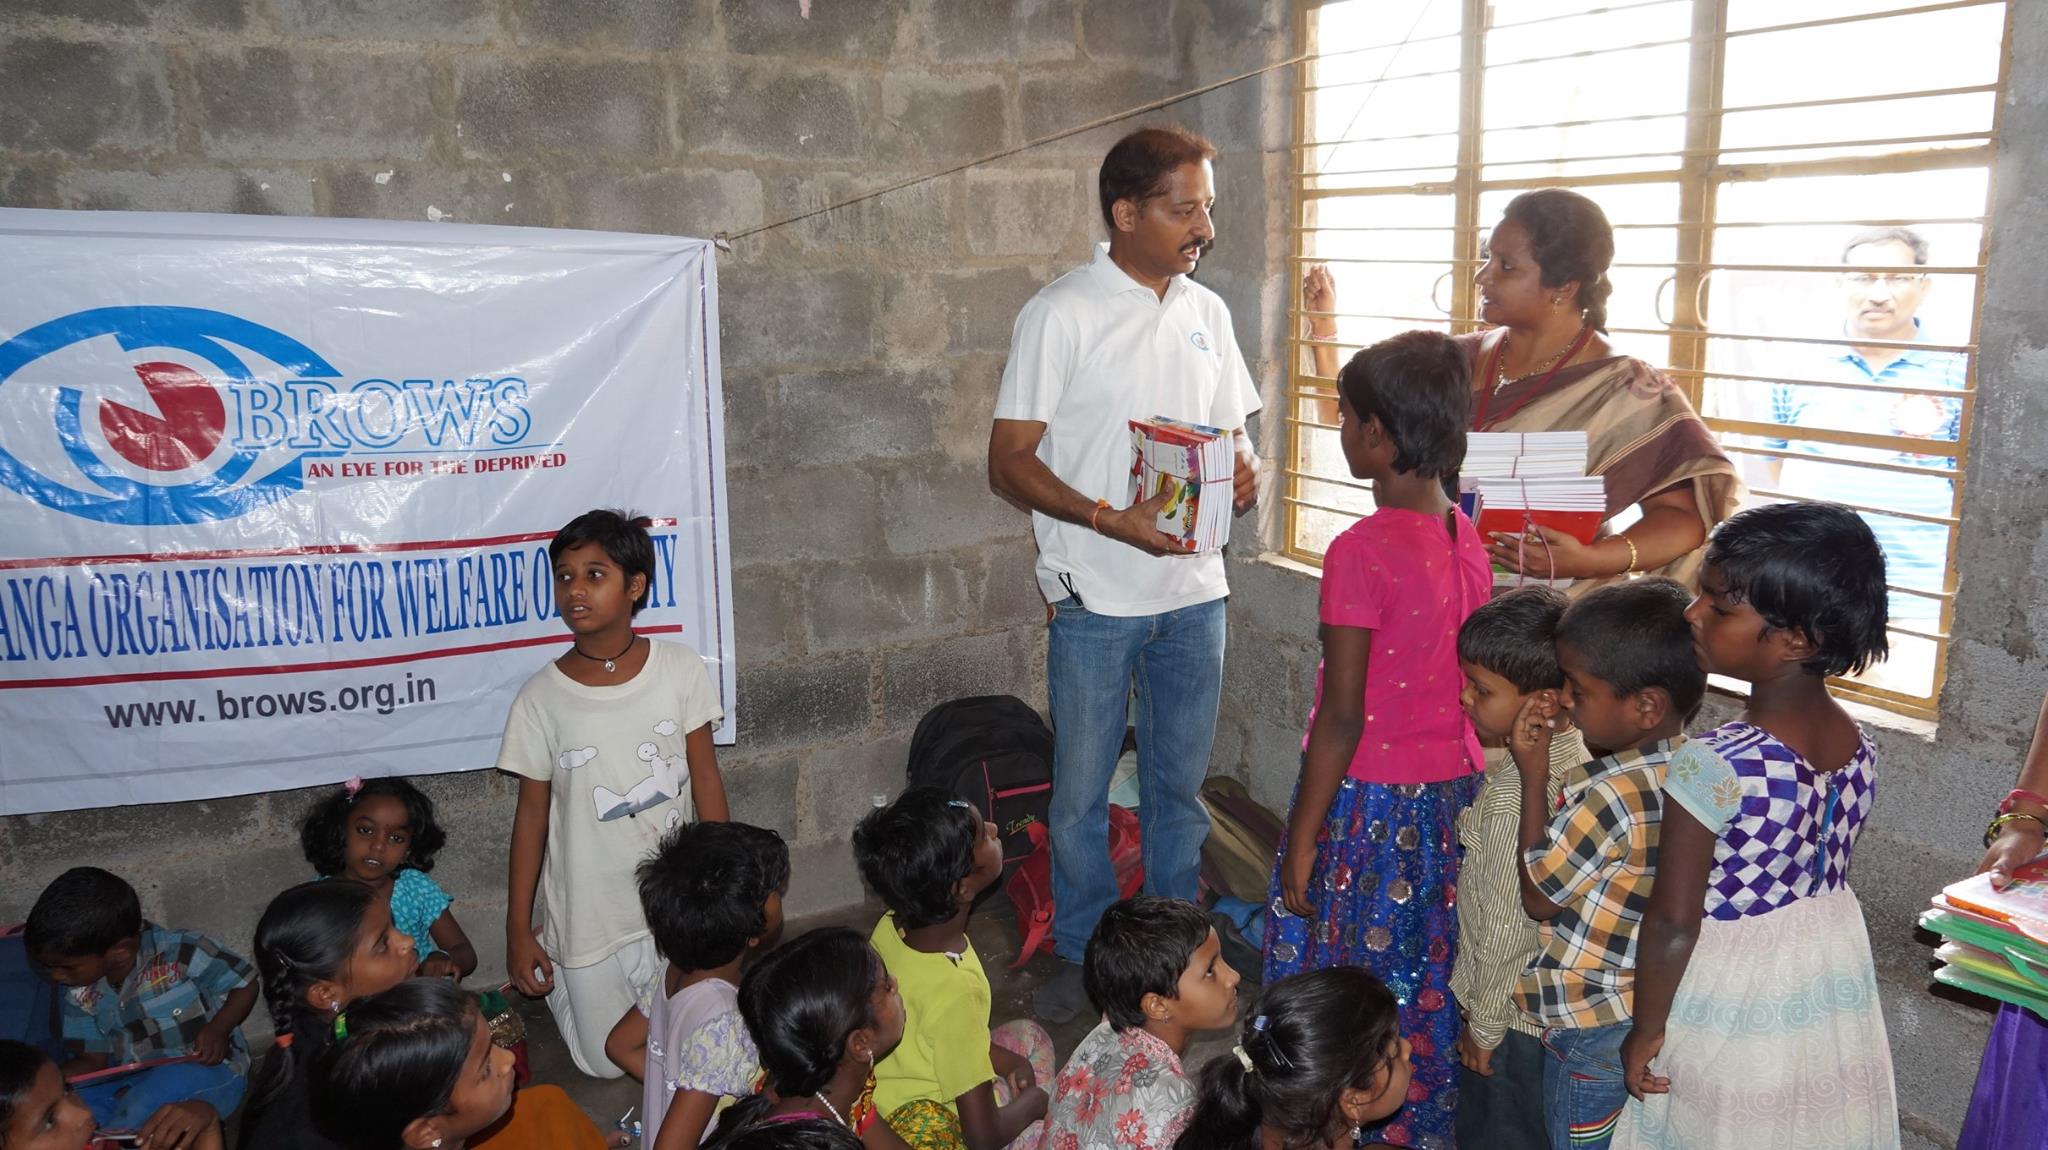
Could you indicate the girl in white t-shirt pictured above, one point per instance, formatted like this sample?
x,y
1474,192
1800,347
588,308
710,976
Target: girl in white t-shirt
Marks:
x,y
612,745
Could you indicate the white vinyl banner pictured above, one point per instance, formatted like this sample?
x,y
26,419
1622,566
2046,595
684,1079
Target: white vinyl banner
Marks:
x,y
276,494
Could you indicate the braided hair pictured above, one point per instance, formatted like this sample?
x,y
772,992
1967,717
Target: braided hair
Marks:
x,y
306,935
1316,1035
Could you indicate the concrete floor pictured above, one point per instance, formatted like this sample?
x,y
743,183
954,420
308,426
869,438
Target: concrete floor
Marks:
x,y
994,931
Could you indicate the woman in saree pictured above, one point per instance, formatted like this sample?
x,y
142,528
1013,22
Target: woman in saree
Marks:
x,y
1545,366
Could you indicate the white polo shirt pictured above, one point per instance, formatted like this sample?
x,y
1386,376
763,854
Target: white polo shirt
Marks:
x,y
1091,351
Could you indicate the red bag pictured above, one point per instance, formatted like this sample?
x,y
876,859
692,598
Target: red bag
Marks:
x,y
1030,888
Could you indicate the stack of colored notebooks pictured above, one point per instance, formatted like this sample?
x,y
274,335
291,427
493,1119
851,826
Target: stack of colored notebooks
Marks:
x,y
1995,942
1194,465
1512,481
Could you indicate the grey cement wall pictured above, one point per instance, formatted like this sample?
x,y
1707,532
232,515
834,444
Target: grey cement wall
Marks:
x,y
1939,784
874,577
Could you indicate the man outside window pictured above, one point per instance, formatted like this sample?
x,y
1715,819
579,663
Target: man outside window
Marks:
x,y
1882,303
1125,336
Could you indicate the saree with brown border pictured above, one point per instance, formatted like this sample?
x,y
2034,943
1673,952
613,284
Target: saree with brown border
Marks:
x,y
1642,436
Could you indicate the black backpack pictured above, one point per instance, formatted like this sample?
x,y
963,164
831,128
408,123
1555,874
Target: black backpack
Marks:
x,y
994,751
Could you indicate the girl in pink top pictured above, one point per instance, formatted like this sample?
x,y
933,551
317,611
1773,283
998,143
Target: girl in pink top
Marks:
x,y
1369,872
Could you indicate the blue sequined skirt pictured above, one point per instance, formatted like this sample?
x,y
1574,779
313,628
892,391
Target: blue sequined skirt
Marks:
x,y
1386,881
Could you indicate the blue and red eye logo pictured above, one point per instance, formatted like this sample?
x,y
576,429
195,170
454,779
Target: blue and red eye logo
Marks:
x,y
169,465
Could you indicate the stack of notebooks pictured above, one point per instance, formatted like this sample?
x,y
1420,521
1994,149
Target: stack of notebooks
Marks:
x,y
1512,480
1995,942
1193,464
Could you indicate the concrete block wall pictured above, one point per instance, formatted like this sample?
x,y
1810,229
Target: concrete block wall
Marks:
x,y
875,574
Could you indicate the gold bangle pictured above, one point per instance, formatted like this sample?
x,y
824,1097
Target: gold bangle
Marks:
x,y
1631,568
1998,824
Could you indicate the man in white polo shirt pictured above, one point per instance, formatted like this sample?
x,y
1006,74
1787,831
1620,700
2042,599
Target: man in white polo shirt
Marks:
x,y
1126,336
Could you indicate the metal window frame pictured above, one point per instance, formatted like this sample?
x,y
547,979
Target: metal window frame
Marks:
x,y
1698,170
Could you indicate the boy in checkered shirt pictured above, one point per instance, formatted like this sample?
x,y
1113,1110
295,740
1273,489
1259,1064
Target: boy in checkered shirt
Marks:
x,y
140,992
1632,682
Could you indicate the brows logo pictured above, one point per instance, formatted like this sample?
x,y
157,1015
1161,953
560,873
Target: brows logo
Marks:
x,y
161,449
1199,340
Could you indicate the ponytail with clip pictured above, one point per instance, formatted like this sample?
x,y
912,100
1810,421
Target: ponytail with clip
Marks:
x,y
1317,1036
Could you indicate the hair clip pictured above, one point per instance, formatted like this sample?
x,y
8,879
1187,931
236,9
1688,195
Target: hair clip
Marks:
x,y
340,1025
1244,1060
963,804
1274,1054
351,785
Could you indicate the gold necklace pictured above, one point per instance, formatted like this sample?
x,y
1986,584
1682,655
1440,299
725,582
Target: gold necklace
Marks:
x,y
1500,362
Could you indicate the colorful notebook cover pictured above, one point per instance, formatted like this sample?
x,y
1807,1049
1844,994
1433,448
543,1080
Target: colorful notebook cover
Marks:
x,y
1193,465
1964,979
2023,903
2005,968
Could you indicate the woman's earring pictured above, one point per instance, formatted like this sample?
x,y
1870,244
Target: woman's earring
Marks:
x,y
1356,1134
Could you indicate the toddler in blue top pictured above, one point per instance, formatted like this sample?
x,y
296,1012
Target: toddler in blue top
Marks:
x,y
382,833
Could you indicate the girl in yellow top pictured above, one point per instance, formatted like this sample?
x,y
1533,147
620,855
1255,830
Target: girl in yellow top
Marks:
x,y
951,1084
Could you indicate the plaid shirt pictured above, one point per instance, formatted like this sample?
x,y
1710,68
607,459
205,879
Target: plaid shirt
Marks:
x,y
1597,861
180,981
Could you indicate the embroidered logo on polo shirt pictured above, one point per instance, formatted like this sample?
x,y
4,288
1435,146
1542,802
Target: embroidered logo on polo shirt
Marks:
x,y
1199,340
160,976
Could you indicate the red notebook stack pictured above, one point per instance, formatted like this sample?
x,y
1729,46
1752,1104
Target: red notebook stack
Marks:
x,y
1513,481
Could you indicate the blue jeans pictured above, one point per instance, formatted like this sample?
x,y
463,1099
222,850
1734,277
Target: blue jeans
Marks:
x,y
1583,1091
126,1102
1504,1111
1175,660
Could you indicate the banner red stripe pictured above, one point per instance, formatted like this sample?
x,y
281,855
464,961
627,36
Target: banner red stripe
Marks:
x,y
289,668
279,552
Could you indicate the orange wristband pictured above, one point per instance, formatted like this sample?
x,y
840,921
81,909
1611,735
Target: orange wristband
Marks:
x,y
1100,504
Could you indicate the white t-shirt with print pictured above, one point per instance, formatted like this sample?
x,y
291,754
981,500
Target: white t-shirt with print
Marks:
x,y
1093,350
614,757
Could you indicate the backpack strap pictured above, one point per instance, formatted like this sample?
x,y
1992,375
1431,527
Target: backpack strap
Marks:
x,y
1040,935
1038,932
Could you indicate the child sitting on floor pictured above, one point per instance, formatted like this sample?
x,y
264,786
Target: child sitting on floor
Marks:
x,y
952,1083
382,833
39,1112
1507,651
1631,682
1322,1059
141,992
1155,969
322,946
823,1012
712,894
411,1067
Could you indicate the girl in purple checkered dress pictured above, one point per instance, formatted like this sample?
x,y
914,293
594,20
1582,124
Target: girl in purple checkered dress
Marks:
x,y
1756,1012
